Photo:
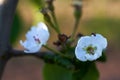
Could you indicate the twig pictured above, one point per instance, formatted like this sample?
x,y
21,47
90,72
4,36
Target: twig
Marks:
x,y
18,53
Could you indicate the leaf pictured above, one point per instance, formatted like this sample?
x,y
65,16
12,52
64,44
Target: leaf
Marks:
x,y
92,73
87,71
55,72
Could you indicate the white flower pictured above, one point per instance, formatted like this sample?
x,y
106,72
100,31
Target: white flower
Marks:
x,y
35,38
90,48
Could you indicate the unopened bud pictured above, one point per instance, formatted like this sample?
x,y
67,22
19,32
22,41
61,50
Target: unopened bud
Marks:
x,y
77,3
62,37
44,11
57,43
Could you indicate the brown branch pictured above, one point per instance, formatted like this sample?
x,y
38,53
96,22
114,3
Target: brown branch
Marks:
x,y
18,53
7,10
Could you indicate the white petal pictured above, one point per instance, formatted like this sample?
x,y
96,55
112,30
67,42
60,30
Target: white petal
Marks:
x,y
41,25
84,41
90,57
31,33
35,38
33,49
98,52
30,47
43,33
80,54
100,40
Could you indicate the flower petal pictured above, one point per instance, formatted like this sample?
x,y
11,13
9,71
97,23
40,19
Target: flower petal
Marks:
x,y
43,33
35,38
41,25
101,40
80,54
33,49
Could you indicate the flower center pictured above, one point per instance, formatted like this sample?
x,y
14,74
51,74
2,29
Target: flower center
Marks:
x,y
37,40
90,49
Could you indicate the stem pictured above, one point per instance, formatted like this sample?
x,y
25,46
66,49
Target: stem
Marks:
x,y
52,12
77,15
53,26
55,51
55,21
52,50
48,20
75,28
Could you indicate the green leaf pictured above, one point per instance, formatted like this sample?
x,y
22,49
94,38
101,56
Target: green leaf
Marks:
x,y
55,72
92,73
86,71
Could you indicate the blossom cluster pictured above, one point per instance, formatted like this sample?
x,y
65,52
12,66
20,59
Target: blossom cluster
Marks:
x,y
88,48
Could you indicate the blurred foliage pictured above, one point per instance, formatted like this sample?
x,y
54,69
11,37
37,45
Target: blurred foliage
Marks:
x,y
16,28
37,18
108,26
87,71
114,0
55,72
36,6
92,73
39,3
18,21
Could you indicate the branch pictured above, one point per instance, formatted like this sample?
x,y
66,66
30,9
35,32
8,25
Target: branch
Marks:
x,y
7,10
47,57
18,53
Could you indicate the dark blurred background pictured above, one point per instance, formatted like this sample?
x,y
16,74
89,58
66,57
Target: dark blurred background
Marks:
x,y
99,16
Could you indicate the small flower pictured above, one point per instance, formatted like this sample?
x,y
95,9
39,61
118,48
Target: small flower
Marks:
x,y
35,38
90,47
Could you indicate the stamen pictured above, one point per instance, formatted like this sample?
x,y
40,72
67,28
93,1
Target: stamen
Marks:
x,y
37,39
90,49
